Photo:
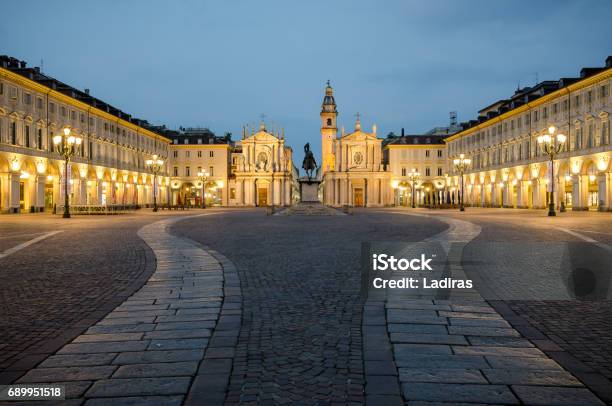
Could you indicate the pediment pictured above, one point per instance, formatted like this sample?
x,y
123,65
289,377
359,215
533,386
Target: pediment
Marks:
x,y
262,136
358,136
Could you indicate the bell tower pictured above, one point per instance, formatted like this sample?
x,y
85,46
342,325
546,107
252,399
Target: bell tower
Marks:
x,y
329,130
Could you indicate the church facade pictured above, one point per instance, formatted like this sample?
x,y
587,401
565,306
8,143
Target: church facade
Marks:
x,y
353,172
262,170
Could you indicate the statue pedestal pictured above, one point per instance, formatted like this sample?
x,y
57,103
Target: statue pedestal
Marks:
x,y
309,190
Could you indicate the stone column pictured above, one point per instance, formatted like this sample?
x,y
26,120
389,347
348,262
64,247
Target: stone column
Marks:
x,y
82,199
14,192
579,192
603,185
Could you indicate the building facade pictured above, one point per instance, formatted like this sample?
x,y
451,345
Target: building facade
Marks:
x,y
262,170
353,173
421,155
196,151
110,166
508,168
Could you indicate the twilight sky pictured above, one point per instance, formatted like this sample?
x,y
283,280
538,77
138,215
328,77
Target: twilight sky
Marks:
x,y
221,64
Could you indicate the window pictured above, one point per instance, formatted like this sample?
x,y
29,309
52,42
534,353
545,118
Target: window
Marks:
x,y
73,115
90,150
187,154
439,153
199,140
39,103
175,171
211,154
185,141
39,142
545,113
13,92
329,122
211,171
187,171
555,108
439,171
589,97
14,133
232,193
577,100
1,88
427,172
199,154
27,98
63,111
26,135
175,153
52,108
403,171
199,169
427,153
175,141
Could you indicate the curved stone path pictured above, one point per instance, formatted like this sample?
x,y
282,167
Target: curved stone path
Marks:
x,y
456,348
157,345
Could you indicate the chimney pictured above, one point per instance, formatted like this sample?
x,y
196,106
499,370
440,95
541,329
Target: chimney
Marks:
x,y
402,131
86,91
37,69
22,64
609,62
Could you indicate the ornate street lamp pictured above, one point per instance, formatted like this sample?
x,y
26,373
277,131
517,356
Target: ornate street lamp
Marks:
x,y
413,177
551,145
461,164
155,165
67,145
203,176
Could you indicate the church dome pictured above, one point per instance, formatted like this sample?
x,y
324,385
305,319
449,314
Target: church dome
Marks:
x,y
329,104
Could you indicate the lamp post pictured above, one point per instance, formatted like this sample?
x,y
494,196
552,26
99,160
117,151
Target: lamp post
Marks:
x,y
203,176
551,145
67,145
155,165
461,164
413,177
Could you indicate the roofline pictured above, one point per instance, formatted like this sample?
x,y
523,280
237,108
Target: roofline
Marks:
x,y
605,74
36,86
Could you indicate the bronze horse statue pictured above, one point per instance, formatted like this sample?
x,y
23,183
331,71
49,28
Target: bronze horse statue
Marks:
x,y
309,164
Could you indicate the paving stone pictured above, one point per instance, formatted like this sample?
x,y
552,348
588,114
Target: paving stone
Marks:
x,y
126,320
428,338
441,361
90,338
158,356
522,377
499,341
542,395
380,368
417,328
137,401
382,385
122,328
483,331
449,392
156,370
187,325
407,349
182,333
139,387
469,315
501,351
78,360
441,375
384,400
523,363
478,322
90,348
82,373
178,344
185,317
139,313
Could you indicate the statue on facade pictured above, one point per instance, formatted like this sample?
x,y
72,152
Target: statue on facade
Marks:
x,y
309,164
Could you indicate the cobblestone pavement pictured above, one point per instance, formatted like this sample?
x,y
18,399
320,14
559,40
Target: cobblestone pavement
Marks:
x,y
147,350
575,333
53,290
300,340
